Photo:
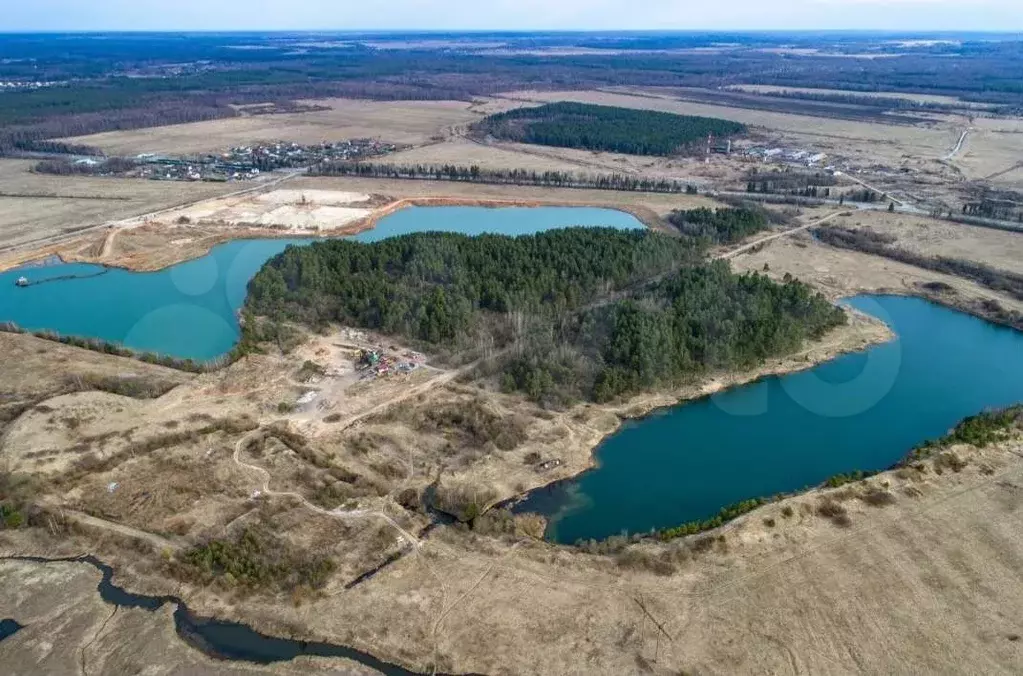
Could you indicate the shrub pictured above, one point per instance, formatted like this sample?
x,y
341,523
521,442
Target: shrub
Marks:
x,y
878,498
949,461
477,424
256,559
724,516
11,518
979,430
463,501
843,479
838,514
659,563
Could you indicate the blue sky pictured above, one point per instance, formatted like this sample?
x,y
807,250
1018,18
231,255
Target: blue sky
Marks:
x,y
1001,15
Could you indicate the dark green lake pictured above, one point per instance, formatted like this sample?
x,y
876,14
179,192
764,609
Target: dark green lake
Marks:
x,y
861,411
190,310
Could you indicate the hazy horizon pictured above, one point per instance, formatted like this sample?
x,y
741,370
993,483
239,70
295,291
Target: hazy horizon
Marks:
x,y
902,16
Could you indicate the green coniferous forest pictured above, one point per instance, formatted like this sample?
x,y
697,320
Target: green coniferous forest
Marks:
x,y
720,226
590,127
580,313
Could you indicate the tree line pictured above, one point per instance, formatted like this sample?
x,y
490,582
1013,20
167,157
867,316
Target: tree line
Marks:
x,y
1003,210
605,128
720,226
878,244
476,174
805,184
66,167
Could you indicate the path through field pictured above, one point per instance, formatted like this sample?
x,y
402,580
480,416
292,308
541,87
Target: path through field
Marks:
x,y
770,238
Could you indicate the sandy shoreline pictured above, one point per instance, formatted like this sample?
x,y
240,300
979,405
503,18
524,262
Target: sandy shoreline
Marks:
x,y
95,248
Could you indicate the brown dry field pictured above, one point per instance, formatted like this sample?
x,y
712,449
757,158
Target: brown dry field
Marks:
x,y
36,206
461,151
35,370
60,599
650,203
925,582
189,489
405,122
499,155
993,146
997,248
925,586
919,98
861,142
838,272
37,366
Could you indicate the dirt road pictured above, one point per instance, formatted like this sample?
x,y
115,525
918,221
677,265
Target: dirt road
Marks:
x,y
68,236
770,238
958,146
343,515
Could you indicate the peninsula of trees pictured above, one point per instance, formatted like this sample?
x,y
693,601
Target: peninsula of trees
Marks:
x,y
580,313
606,128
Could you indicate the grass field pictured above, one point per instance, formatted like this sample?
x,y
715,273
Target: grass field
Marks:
x,y
35,206
653,205
503,155
840,273
919,98
865,142
997,248
993,146
404,122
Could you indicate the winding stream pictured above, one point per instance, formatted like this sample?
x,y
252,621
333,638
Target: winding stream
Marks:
x,y
216,638
862,411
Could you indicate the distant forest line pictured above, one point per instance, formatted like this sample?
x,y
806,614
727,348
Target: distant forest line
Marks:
x,y
127,81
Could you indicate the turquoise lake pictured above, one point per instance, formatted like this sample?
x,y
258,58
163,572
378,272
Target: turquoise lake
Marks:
x,y
190,310
861,411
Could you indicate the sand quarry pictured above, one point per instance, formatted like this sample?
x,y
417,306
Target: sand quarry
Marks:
x,y
299,210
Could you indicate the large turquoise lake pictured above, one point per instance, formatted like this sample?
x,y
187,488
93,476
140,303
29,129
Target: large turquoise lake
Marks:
x,y
859,412
190,310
